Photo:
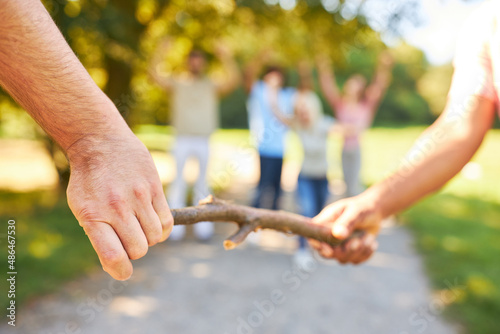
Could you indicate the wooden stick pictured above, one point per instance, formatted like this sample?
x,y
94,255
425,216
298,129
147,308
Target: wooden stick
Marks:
x,y
251,220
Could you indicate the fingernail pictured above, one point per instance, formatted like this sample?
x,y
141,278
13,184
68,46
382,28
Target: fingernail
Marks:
x,y
355,244
166,232
369,240
340,231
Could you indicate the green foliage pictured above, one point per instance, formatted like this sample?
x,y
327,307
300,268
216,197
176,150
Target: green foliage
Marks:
x,y
115,39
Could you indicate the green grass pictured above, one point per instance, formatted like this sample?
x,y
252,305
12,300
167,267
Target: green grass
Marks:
x,y
460,241
457,231
51,247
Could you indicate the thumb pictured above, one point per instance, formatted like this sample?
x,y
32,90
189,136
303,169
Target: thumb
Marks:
x,y
345,224
329,214
355,218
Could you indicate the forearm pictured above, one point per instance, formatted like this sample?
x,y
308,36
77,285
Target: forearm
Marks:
x,y
162,79
38,68
328,86
382,78
438,155
278,113
233,75
251,73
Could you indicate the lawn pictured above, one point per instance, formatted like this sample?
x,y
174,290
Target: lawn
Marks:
x,y
457,231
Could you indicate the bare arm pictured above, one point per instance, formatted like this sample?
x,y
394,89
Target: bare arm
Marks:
x,y
252,70
233,72
328,83
277,112
114,190
375,92
439,154
161,79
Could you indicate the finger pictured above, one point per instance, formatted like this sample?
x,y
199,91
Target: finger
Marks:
x,y
368,252
345,224
150,223
314,244
365,255
343,254
349,250
356,218
329,214
365,249
327,251
161,208
109,249
132,237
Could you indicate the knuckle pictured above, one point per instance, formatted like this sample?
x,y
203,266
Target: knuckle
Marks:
x,y
167,220
138,252
141,193
117,202
112,258
86,216
154,238
156,188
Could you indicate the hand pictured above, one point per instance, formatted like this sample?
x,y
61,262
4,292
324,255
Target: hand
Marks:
x,y
116,195
266,54
165,44
323,63
344,217
304,67
222,51
386,59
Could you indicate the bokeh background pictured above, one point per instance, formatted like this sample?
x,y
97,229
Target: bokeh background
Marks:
x,y
457,231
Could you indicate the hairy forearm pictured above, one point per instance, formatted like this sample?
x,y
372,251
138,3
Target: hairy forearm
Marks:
x,y
41,72
438,155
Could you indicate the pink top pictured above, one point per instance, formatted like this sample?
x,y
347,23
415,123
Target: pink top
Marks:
x,y
359,117
477,59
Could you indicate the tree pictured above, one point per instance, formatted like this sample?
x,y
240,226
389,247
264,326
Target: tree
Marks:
x,y
114,39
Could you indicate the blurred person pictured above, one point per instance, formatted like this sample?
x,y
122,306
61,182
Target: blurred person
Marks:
x,y
313,129
355,106
195,117
440,152
268,131
114,189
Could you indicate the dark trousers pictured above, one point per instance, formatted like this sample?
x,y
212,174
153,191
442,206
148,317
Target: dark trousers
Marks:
x,y
312,195
269,187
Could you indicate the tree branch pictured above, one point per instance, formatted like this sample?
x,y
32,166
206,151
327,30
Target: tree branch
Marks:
x,y
251,220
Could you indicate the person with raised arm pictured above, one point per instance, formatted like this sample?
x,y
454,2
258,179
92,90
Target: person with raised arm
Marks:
x,y
195,117
440,152
266,129
313,129
355,106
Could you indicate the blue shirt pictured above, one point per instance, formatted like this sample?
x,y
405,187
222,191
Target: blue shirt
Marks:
x,y
268,132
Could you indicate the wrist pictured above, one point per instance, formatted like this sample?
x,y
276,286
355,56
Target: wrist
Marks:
x,y
379,196
99,138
